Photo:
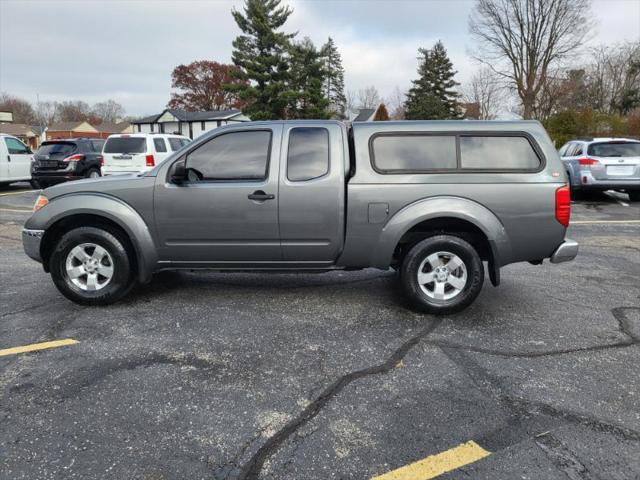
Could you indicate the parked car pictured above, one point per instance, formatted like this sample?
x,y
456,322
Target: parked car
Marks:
x,y
139,152
603,164
58,161
433,199
15,160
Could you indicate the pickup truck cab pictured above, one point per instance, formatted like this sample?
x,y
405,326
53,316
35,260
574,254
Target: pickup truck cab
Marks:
x,y
433,199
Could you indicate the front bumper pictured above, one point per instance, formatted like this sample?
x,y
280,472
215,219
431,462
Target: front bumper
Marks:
x,y
566,252
31,242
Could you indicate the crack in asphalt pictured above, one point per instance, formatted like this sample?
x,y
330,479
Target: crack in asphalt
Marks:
x,y
25,309
94,374
619,313
525,417
562,458
252,469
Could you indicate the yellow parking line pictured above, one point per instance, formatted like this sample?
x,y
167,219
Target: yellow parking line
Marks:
x,y
15,210
438,464
16,193
603,222
37,346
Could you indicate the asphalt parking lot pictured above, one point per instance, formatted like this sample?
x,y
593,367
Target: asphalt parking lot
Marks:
x,y
328,376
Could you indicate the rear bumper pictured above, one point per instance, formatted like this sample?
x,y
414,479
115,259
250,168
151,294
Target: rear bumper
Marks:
x,y
566,252
31,242
115,170
589,182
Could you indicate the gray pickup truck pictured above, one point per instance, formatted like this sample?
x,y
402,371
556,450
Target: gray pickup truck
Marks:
x,y
431,199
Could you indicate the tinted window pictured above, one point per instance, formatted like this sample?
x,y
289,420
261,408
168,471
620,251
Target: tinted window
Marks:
x,y
16,147
622,149
497,153
233,156
97,145
160,145
308,155
58,148
126,145
577,150
414,152
185,141
175,143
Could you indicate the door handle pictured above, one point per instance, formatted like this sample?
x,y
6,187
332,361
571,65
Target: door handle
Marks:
x,y
9,158
259,195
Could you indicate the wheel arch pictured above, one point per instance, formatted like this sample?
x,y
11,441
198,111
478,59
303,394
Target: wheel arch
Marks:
x,y
75,210
445,214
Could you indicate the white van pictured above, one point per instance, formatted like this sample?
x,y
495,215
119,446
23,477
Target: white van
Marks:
x,y
15,160
138,152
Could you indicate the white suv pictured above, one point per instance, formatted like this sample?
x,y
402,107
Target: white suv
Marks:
x,y
138,152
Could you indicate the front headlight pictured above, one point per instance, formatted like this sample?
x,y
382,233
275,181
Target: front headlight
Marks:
x,y
41,201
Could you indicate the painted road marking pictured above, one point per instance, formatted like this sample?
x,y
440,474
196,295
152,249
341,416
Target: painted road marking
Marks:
x,y
610,195
18,193
436,465
15,210
603,222
37,346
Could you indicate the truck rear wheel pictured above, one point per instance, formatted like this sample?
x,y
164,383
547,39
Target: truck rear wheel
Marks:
x,y
91,266
442,274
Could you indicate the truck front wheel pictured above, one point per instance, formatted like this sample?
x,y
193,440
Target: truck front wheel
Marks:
x,y
91,266
442,274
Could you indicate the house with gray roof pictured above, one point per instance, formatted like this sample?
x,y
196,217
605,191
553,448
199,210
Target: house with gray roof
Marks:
x,y
189,124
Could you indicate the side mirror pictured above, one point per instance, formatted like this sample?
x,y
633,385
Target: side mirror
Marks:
x,y
179,174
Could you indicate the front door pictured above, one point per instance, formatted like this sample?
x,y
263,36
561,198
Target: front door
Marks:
x,y
18,159
227,211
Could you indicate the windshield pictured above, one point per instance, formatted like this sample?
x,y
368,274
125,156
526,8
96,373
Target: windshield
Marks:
x,y
57,148
126,145
620,149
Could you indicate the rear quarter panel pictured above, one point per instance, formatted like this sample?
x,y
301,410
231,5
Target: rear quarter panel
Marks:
x,y
524,203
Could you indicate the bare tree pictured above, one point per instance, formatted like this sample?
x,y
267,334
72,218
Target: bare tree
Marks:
x,y
351,101
396,103
522,40
614,77
486,90
20,108
108,111
45,113
369,97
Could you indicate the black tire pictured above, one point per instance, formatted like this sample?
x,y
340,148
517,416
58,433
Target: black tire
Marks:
x,y
442,243
35,184
92,171
123,277
634,196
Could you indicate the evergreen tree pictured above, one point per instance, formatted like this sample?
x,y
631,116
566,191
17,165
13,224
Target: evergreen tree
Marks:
x,y
431,96
334,79
260,53
306,78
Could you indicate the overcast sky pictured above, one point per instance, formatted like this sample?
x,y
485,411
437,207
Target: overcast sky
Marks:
x,y
93,50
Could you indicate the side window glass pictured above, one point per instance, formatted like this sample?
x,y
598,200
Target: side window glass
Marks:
x,y
175,143
414,153
308,154
578,150
161,147
486,152
97,145
232,156
16,147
